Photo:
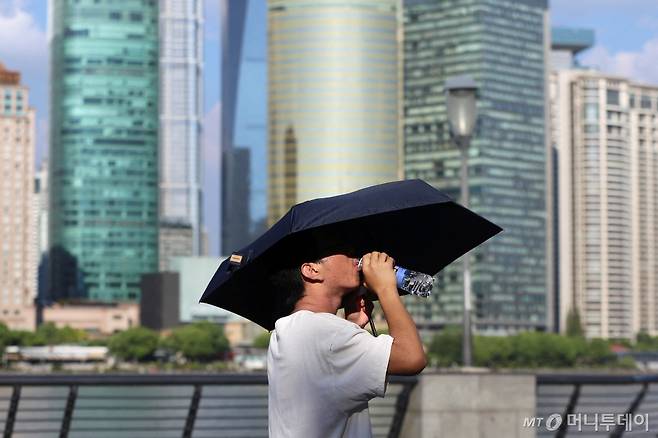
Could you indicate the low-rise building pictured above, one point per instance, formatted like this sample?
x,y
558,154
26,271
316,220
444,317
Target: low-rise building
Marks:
x,y
94,317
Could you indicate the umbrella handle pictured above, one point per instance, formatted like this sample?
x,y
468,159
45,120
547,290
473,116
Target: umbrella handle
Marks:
x,y
372,327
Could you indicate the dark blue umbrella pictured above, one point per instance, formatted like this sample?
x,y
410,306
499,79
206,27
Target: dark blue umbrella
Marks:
x,y
422,228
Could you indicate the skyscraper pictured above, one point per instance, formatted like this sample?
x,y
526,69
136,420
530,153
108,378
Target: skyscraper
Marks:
x,y
244,121
104,147
503,45
607,145
181,106
235,198
334,87
17,230
41,212
566,44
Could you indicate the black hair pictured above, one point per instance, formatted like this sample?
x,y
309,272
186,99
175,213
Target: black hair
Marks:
x,y
288,287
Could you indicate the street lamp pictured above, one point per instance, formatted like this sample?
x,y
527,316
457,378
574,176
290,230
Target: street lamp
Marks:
x,y
460,102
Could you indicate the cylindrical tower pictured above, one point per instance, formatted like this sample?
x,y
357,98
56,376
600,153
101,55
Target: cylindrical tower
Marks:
x,y
334,89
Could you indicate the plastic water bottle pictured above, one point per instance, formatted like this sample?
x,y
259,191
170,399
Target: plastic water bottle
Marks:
x,y
415,283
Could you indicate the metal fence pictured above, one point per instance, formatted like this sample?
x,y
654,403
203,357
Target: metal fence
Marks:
x,y
162,406
582,400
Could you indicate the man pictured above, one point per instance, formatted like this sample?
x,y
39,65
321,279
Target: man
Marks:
x,y
323,369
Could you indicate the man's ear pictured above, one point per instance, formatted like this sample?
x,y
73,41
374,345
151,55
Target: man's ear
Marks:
x,y
310,271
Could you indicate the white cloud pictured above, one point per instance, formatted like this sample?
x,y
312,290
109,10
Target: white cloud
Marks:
x,y
23,44
211,173
639,66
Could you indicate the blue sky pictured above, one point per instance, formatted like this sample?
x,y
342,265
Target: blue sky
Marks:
x,y
626,44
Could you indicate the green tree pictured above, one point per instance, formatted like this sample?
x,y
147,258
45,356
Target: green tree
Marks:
x,y
96,342
492,351
5,334
574,326
262,340
557,351
538,349
24,338
645,342
445,348
49,334
137,343
598,353
201,341
69,335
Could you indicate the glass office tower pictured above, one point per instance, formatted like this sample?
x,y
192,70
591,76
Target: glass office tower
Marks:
x,y
181,114
334,87
502,44
244,122
104,147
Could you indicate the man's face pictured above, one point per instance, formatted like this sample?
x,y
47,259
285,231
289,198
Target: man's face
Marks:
x,y
341,271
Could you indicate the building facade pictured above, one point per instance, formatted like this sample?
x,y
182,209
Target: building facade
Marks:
x,y
244,122
181,116
17,219
606,136
334,88
503,46
175,240
97,319
160,300
236,185
41,213
566,44
104,148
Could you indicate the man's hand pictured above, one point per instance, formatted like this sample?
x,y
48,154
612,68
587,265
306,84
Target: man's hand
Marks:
x,y
407,354
378,274
358,308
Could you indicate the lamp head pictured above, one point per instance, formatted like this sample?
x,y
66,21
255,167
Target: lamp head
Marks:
x,y
461,92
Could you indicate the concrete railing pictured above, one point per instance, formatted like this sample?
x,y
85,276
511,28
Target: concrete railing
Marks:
x,y
470,405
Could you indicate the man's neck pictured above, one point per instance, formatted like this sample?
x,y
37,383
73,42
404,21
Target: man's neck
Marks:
x,y
319,301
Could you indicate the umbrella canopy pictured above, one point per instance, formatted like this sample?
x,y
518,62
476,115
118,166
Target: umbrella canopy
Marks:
x,y
422,228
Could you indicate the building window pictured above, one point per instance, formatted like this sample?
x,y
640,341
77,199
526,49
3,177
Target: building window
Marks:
x,y
612,97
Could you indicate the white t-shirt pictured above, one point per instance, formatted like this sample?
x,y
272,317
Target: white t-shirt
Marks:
x,y
322,370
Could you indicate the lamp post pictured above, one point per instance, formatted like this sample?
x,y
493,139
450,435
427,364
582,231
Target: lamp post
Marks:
x,y
460,102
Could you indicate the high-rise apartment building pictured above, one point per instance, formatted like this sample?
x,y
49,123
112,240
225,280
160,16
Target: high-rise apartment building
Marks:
x,y
17,230
503,46
334,88
181,113
605,130
566,44
104,147
244,122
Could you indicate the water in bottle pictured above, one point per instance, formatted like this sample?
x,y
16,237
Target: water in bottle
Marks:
x,y
415,283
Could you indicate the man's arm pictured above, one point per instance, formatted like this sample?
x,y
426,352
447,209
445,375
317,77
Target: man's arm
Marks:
x,y
407,354
358,308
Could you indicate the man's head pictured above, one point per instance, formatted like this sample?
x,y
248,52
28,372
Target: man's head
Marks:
x,y
335,275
